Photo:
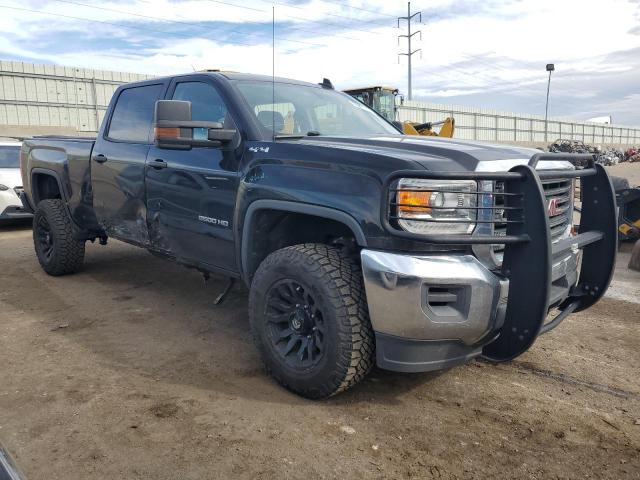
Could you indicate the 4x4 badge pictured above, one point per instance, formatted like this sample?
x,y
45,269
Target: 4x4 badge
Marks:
x,y
259,149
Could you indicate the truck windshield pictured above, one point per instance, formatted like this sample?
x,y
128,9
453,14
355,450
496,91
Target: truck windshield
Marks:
x,y
307,110
9,156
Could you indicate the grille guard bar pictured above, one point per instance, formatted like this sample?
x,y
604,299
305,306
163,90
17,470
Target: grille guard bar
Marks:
x,y
528,252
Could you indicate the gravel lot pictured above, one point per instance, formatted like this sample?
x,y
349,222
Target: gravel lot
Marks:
x,y
128,370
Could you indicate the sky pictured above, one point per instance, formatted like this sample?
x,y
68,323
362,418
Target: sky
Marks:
x,y
488,53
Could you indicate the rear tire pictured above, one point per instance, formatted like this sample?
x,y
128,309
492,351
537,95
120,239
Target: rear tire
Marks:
x,y
57,251
309,318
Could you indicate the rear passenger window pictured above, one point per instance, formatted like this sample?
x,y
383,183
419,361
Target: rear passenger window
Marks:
x,y
133,114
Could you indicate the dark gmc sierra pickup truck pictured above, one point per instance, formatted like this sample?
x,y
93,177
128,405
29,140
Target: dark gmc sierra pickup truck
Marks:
x,y
359,244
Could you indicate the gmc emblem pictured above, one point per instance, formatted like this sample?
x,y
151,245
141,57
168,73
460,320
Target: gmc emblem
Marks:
x,y
552,208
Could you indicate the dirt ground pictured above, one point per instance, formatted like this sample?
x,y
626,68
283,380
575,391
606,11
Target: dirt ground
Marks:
x,y
128,370
630,171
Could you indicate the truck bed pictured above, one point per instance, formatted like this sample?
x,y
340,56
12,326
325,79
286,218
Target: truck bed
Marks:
x,y
68,159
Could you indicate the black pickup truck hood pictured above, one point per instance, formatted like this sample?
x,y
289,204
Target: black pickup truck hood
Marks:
x,y
432,153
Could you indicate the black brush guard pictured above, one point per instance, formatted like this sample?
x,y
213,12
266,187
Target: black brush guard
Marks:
x,y
529,252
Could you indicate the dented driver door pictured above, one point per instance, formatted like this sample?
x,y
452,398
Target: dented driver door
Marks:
x,y
191,193
118,164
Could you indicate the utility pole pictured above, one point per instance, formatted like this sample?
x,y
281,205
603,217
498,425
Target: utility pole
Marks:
x,y
408,36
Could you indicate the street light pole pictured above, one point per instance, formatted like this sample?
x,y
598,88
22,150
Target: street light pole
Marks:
x,y
550,68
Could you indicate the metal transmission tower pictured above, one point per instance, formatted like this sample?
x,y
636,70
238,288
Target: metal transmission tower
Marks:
x,y
408,36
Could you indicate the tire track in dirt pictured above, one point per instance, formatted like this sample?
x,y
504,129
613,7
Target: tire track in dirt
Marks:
x,y
570,380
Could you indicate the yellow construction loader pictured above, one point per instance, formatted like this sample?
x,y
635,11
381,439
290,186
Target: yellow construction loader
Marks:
x,y
383,100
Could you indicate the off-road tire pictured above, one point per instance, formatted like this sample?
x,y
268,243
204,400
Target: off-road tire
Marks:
x,y
67,253
336,281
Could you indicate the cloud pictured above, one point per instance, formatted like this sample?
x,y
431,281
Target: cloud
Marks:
x,y
488,53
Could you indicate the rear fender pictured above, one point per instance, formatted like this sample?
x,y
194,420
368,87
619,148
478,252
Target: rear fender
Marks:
x,y
35,189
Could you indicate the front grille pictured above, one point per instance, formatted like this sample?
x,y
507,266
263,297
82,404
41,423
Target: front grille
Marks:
x,y
559,195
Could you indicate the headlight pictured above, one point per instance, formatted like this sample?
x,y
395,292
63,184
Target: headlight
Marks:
x,y
3,187
436,206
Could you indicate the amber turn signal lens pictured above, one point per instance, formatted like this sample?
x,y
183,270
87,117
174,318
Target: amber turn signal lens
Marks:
x,y
167,132
412,201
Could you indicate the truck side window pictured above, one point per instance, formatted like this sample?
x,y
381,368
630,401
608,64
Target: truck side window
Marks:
x,y
206,103
133,114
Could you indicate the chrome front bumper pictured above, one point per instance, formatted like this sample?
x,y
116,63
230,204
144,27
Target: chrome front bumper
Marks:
x,y
444,297
431,312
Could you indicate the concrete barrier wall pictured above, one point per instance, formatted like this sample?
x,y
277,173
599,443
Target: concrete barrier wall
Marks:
x,y
518,128
35,95
48,98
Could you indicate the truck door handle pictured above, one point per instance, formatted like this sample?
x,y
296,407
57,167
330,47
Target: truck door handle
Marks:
x,y
158,163
100,158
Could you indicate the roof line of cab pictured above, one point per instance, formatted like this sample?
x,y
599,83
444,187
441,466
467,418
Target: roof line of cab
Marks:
x,y
224,74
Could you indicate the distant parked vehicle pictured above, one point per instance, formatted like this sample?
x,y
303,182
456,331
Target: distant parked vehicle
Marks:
x,y
10,182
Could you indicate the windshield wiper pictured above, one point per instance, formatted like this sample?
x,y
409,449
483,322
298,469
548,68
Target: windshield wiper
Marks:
x,y
310,133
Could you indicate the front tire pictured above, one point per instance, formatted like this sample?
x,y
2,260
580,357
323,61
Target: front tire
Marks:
x,y
309,318
57,251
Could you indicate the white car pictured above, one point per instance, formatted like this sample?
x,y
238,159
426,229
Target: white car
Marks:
x,y
10,182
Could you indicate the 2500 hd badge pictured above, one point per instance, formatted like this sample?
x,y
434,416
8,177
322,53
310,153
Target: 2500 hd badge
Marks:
x,y
214,221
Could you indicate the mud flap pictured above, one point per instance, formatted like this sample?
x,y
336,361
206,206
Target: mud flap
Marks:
x,y
527,265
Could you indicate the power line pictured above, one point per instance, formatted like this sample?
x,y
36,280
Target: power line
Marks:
x,y
137,28
476,76
105,22
488,78
446,80
294,17
358,8
154,30
301,29
237,31
122,11
322,22
238,6
191,24
298,7
263,11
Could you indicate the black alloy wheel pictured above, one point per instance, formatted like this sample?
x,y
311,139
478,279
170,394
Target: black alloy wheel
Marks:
x,y
296,326
58,251
309,318
44,238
